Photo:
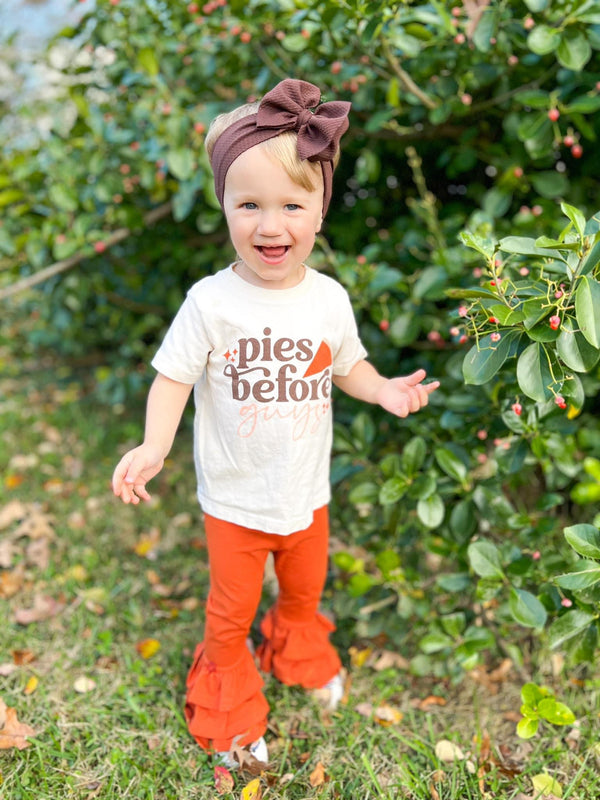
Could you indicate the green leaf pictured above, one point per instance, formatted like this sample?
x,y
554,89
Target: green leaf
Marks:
x,y
534,373
537,5
366,492
566,627
181,163
580,579
526,609
435,642
543,40
545,784
63,198
532,694
404,329
393,490
484,246
470,294
527,727
484,558
574,50
584,539
576,217
147,61
482,362
587,309
295,43
413,455
523,245
550,184
575,350
430,511
450,464
586,104
556,713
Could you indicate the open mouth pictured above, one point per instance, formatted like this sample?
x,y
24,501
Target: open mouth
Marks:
x,y
272,253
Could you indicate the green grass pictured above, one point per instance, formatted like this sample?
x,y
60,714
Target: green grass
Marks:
x,y
126,737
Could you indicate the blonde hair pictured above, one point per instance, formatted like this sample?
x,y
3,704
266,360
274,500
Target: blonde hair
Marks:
x,y
283,148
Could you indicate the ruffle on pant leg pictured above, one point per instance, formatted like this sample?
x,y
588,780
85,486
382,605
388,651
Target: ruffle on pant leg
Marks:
x,y
298,654
225,703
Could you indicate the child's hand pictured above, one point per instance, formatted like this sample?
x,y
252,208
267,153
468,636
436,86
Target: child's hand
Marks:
x,y
404,396
134,471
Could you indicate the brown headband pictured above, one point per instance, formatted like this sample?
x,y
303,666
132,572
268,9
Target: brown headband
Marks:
x,y
286,108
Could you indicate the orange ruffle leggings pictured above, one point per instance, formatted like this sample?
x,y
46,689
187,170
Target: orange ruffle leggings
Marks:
x,y
224,698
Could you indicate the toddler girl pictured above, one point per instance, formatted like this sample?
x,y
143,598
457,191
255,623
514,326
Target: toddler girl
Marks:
x,y
261,342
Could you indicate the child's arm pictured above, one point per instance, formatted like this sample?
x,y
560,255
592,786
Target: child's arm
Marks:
x,y
399,396
166,401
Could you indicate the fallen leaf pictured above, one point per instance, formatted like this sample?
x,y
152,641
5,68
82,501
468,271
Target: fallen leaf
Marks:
x,y
223,780
364,709
13,481
426,703
448,751
83,684
7,669
358,657
386,715
44,607
11,582
148,647
11,512
386,659
546,786
147,544
12,732
38,553
31,685
317,776
35,525
7,553
252,790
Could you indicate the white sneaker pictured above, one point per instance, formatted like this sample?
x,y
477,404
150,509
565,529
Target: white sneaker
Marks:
x,y
329,696
232,759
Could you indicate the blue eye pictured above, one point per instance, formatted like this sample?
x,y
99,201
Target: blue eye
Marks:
x,y
292,206
250,206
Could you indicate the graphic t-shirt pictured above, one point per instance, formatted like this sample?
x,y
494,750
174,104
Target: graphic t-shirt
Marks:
x,y
262,361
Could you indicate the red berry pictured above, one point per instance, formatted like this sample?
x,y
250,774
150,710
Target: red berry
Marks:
x,y
100,247
336,67
560,401
493,320
384,324
577,151
517,408
568,141
193,8
245,36
518,172
199,127
555,322
553,114
495,337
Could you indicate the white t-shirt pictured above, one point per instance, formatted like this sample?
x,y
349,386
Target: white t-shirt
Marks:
x,y
262,361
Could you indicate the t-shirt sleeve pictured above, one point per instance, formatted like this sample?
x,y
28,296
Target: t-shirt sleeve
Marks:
x,y
350,349
183,354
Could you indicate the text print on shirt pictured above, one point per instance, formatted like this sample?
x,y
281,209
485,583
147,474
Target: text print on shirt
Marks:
x,y
283,371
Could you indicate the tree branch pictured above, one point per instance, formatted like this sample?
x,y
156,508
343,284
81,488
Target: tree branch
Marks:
x,y
405,78
62,266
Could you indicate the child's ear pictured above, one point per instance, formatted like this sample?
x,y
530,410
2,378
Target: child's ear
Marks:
x,y
319,225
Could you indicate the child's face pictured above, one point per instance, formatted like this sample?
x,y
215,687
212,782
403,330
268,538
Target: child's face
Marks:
x,y
272,220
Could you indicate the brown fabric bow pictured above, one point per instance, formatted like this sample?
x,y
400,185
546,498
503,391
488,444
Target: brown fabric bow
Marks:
x,y
287,107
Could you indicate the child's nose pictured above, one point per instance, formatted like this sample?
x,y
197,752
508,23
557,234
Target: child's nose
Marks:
x,y
270,223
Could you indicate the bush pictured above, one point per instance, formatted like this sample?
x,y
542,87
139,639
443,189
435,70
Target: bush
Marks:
x,y
462,231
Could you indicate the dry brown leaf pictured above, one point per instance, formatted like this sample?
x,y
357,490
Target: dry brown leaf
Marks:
x,y
448,751
428,702
7,669
12,581
7,553
493,679
13,734
36,525
83,684
44,607
12,512
318,776
21,657
38,553
386,715
364,709
386,659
